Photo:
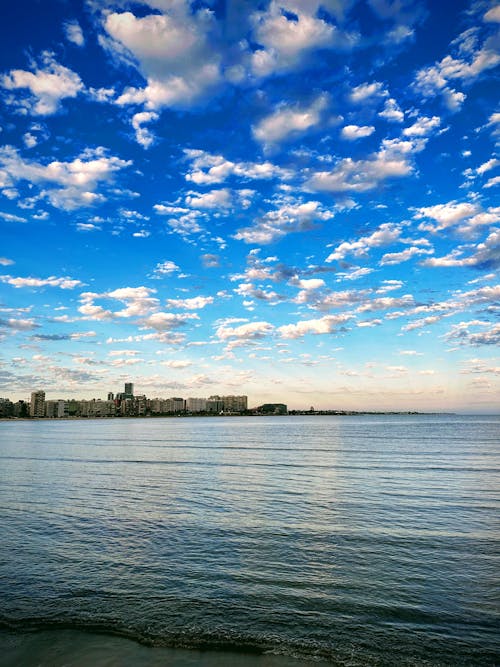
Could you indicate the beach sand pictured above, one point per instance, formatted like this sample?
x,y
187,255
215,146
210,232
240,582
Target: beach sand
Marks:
x,y
74,648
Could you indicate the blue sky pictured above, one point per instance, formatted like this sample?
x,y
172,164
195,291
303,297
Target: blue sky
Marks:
x,y
294,200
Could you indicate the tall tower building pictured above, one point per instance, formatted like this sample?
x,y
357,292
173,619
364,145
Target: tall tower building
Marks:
x,y
37,405
129,390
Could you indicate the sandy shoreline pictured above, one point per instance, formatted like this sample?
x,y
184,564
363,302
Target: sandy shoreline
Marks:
x,y
75,648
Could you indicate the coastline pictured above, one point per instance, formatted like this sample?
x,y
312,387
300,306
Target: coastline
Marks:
x,y
292,413
79,648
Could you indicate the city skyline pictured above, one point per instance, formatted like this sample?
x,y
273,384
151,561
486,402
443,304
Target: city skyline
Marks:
x,y
292,200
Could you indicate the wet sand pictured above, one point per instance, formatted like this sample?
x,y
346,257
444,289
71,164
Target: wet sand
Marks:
x,y
73,648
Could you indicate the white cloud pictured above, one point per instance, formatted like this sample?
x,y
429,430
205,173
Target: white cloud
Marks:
x,y
354,132
367,92
48,85
176,363
289,120
30,140
193,303
422,127
311,283
486,166
445,215
468,66
392,258
324,325
288,41
245,333
208,169
492,15
173,50
392,111
4,261
167,321
290,217
387,302
72,184
10,217
74,33
138,302
485,255
51,281
215,199
492,182
462,333
143,135
387,233
391,161
18,324
165,268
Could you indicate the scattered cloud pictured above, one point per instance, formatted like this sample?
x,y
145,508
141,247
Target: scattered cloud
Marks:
x,y
354,132
74,33
288,121
45,86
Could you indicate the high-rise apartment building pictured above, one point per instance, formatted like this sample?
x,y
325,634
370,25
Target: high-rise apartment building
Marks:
x,y
129,390
37,405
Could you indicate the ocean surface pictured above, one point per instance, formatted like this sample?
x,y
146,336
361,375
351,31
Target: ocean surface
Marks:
x,y
270,541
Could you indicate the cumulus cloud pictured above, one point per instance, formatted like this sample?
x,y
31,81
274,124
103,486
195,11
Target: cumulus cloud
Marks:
x,y
165,268
470,62
176,363
445,215
387,233
287,39
323,325
68,185
392,258
207,169
492,15
215,199
166,321
485,255
422,127
244,334
354,132
143,135
392,112
139,301
464,333
289,121
174,50
193,303
392,160
45,86
367,92
18,324
51,281
290,217
74,33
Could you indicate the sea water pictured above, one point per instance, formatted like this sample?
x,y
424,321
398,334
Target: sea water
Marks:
x,y
350,540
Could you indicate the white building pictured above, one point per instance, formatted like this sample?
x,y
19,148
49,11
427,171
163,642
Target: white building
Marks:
x,y
196,404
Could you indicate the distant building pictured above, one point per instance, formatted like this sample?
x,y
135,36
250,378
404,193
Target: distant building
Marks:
x,y
129,390
272,409
37,405
215,404
111,396
235,403
175,405
56,409
196,404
